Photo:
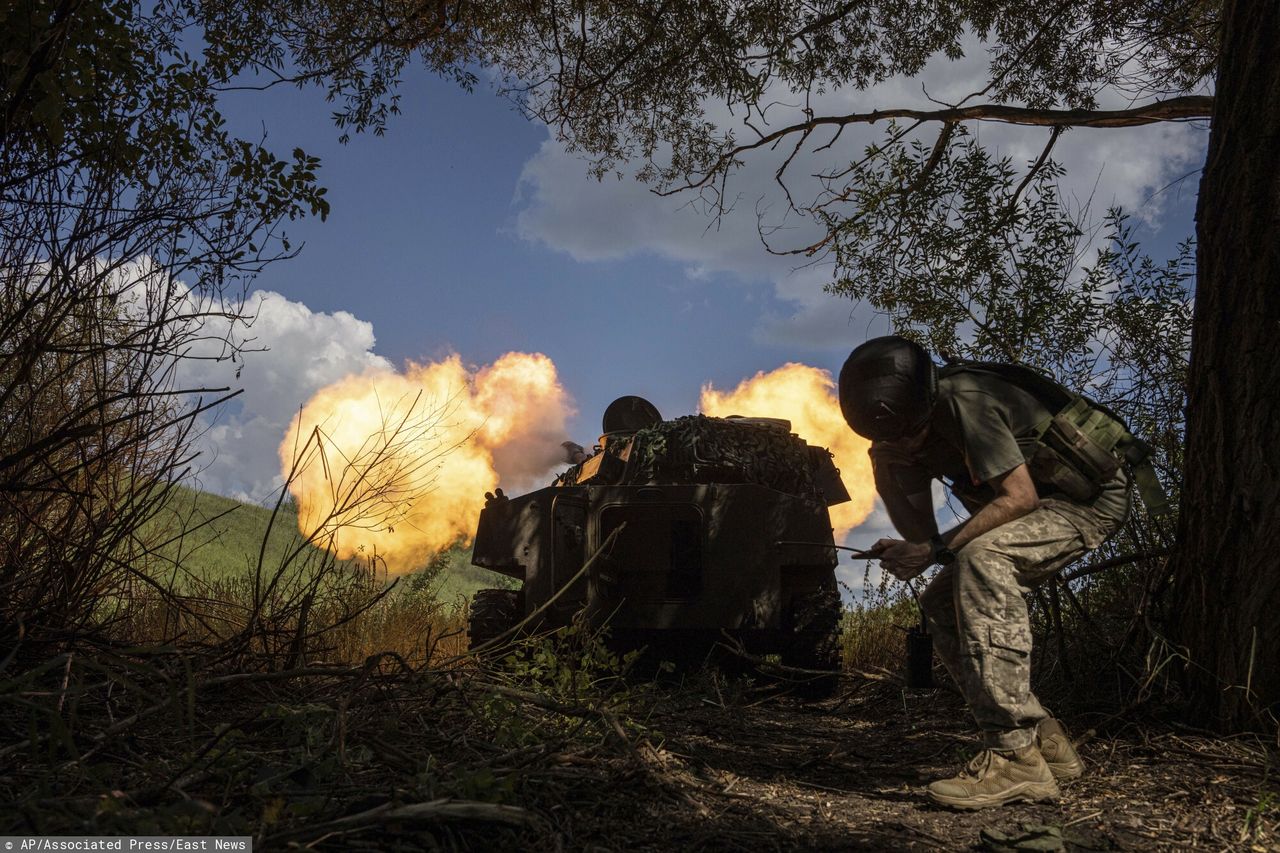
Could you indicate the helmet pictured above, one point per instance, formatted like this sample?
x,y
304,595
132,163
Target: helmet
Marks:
x,y
887,388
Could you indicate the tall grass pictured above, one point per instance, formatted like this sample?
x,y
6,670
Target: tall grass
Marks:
x,y
243,586
873,635
328,612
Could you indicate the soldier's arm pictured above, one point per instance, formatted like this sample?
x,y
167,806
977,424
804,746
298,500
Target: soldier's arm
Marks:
x,y
1015,497
993,457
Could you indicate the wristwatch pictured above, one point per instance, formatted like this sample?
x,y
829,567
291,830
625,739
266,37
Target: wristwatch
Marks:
x,y
940,553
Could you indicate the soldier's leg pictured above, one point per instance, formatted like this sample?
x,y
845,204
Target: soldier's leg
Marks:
x,y
939,604
991,575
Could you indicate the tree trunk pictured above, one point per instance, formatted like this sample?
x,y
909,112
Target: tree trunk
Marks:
x,y
1227,571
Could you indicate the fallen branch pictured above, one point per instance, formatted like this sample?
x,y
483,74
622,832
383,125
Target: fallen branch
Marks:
x,y
433,811
1122,560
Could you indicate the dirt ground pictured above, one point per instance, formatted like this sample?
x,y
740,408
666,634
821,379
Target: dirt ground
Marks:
x,y
346,759
847,774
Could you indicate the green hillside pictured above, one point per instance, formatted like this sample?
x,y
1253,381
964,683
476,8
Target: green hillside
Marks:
x,y
209,537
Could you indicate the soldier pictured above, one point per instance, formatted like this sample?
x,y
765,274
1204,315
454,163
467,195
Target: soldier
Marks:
x,y
984,436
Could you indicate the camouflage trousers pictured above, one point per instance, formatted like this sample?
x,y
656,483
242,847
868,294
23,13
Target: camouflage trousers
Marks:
x,y
979,620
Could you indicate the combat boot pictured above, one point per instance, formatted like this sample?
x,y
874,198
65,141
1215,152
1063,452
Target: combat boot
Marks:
x,y
995,777
1055,745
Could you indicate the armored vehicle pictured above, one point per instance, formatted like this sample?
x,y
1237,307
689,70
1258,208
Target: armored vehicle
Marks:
x,y
676,534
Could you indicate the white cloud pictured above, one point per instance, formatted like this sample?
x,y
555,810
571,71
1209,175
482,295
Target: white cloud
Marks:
x,y
565,209
290,352
294,352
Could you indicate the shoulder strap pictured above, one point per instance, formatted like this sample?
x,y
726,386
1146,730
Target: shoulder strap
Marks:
x,y
1039,385
1060,401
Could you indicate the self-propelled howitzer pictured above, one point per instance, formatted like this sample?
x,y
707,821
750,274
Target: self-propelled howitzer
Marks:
x,y
675,534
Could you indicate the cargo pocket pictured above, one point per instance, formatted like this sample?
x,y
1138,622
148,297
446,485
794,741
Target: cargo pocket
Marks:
x,y
1006,671
1083,520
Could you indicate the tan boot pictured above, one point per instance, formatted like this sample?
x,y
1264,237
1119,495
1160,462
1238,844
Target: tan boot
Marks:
x,y
1055,745
994,778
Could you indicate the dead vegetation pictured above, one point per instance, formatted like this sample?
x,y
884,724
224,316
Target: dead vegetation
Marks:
x,y
846,775
318,707
558,750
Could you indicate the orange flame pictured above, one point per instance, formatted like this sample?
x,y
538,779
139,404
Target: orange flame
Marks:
x,y
806,396
397,463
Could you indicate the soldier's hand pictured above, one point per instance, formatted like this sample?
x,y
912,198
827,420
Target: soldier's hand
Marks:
x,y
904,560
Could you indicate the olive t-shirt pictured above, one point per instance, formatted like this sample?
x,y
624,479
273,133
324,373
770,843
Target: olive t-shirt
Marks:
x,y
984,426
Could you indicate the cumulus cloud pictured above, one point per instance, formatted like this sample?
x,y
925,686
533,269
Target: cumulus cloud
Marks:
x,y
565,209
292,352
286,353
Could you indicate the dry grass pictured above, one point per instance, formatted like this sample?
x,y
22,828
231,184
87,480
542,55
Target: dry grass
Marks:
x,y
874,633
386,753
332,613
340,747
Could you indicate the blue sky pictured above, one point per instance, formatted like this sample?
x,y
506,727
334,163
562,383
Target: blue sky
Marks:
x,y
423,243
467,229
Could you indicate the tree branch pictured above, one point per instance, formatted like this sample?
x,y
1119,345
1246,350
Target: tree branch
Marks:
x,y
935,157
826,20
1171,109
1123,560
1035,167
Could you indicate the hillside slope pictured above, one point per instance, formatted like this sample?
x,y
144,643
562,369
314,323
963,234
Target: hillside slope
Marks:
x,y
209,536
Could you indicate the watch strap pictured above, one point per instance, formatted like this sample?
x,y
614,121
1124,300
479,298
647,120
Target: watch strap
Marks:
x,y
940,553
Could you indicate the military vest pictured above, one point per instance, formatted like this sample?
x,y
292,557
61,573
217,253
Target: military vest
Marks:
x,y
1082,443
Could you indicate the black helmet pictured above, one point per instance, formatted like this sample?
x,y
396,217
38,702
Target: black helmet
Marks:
x,y
887,388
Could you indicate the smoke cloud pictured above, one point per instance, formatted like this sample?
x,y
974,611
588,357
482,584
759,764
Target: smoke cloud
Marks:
x,y
806,396
395,464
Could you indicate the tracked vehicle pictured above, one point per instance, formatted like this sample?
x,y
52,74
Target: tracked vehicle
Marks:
x,y
676,534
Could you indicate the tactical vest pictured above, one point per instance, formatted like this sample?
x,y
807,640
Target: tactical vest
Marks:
x,y
1082,443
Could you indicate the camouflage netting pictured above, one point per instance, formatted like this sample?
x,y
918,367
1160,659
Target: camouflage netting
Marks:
x,y
701,449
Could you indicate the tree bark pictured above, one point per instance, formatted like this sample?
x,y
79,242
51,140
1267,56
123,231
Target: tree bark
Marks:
x,y
1227,569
